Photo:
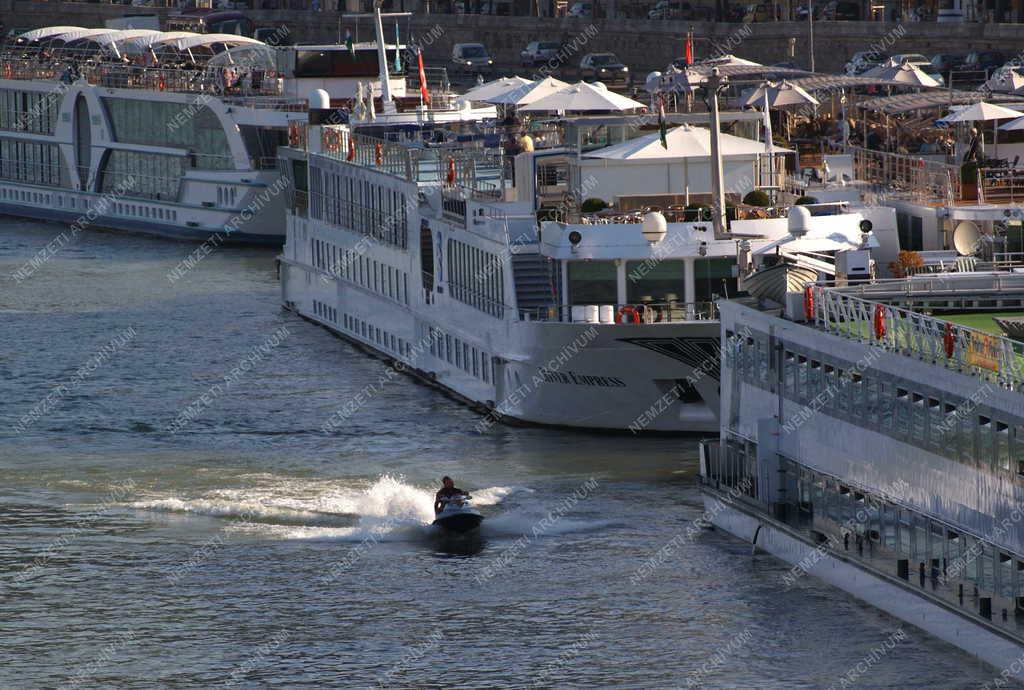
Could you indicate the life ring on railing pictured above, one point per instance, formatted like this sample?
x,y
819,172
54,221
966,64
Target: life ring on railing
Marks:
x,y
293,135
451,170
161,84
949,340
879,322
378,152
8,72
627,314
809,303
351,148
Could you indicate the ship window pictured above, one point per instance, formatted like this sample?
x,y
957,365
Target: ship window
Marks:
x,y
1003,446
592,282
659,282
465,357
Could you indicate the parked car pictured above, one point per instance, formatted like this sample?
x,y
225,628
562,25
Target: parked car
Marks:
x,y
757,13
603,67
538,52
983,61
671,9
864,60
843,10
944,63
471,57
581,9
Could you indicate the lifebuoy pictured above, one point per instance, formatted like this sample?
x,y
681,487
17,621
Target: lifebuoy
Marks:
x,y
293,136
351,148
162,85
451,170
949,340
378,150
809,303
879,321
8,72
627,314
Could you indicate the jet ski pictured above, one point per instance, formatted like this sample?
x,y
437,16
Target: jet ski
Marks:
x,y
458,515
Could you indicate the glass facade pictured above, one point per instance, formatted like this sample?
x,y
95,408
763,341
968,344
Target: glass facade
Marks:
x,y
659,282
146,175
190,126
26,161
592,282
476,277
958,428
359,205
971,574
29,111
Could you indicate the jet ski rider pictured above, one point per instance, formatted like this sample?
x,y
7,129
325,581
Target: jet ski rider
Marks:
x,y
446,493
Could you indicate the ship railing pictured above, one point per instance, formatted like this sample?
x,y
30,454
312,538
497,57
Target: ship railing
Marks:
x,y
1001,185
300,203
941,343
242,82
384,225
475,169
916,177
635,313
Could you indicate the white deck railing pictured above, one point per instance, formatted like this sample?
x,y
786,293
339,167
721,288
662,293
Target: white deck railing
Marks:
x,y
960,348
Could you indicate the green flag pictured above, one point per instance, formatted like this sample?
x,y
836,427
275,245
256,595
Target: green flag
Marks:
x,y
398,50
349,44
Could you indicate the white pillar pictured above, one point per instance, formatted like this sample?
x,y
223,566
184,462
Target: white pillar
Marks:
x,y
620,281
689,286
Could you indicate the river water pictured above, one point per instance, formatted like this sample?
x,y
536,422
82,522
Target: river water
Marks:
x,y
173,515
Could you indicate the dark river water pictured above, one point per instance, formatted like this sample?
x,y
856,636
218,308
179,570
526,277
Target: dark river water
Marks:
x,y
173,516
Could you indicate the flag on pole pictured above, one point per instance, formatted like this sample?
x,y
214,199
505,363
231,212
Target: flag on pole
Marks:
x,y
349,44
766,115
662,125
398,51
689,49
370,106
360,103
424,94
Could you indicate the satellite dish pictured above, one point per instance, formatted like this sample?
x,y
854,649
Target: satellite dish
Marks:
x,y
966,238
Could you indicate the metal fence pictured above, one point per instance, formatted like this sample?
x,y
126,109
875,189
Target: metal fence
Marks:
x,y
916,177
942,343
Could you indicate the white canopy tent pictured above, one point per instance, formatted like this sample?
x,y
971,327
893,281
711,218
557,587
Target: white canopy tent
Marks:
x,y
46,32
122,42
1004,81
583,97
641,166
902,73
496,88
185,43
530,92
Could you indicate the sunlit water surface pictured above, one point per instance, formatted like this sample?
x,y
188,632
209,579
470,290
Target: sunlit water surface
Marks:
x,y
247,548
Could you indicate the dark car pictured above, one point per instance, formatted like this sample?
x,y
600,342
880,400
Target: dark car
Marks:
x,y
603,67
842,11
944,63
983,60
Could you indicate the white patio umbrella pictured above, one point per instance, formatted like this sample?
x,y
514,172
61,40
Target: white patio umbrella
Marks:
x,y
781,95
901,72
984,112
584,97
1004,81
528,93
492,89
1013,125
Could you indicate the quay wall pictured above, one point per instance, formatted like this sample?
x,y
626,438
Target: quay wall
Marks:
x,y
643,45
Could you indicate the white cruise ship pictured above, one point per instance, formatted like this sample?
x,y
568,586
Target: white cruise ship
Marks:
x,y
433,258
173,133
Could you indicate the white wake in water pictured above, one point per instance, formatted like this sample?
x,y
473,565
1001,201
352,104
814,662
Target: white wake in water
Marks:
x,y
388,510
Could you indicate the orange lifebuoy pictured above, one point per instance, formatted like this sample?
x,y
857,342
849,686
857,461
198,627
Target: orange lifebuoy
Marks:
x,y
451,170
949,340
879,321
8,72
378,151
809,303
293,136
162,85
627,314
351,148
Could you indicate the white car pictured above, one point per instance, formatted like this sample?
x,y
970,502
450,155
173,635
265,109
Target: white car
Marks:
x,y
863,61
539,52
